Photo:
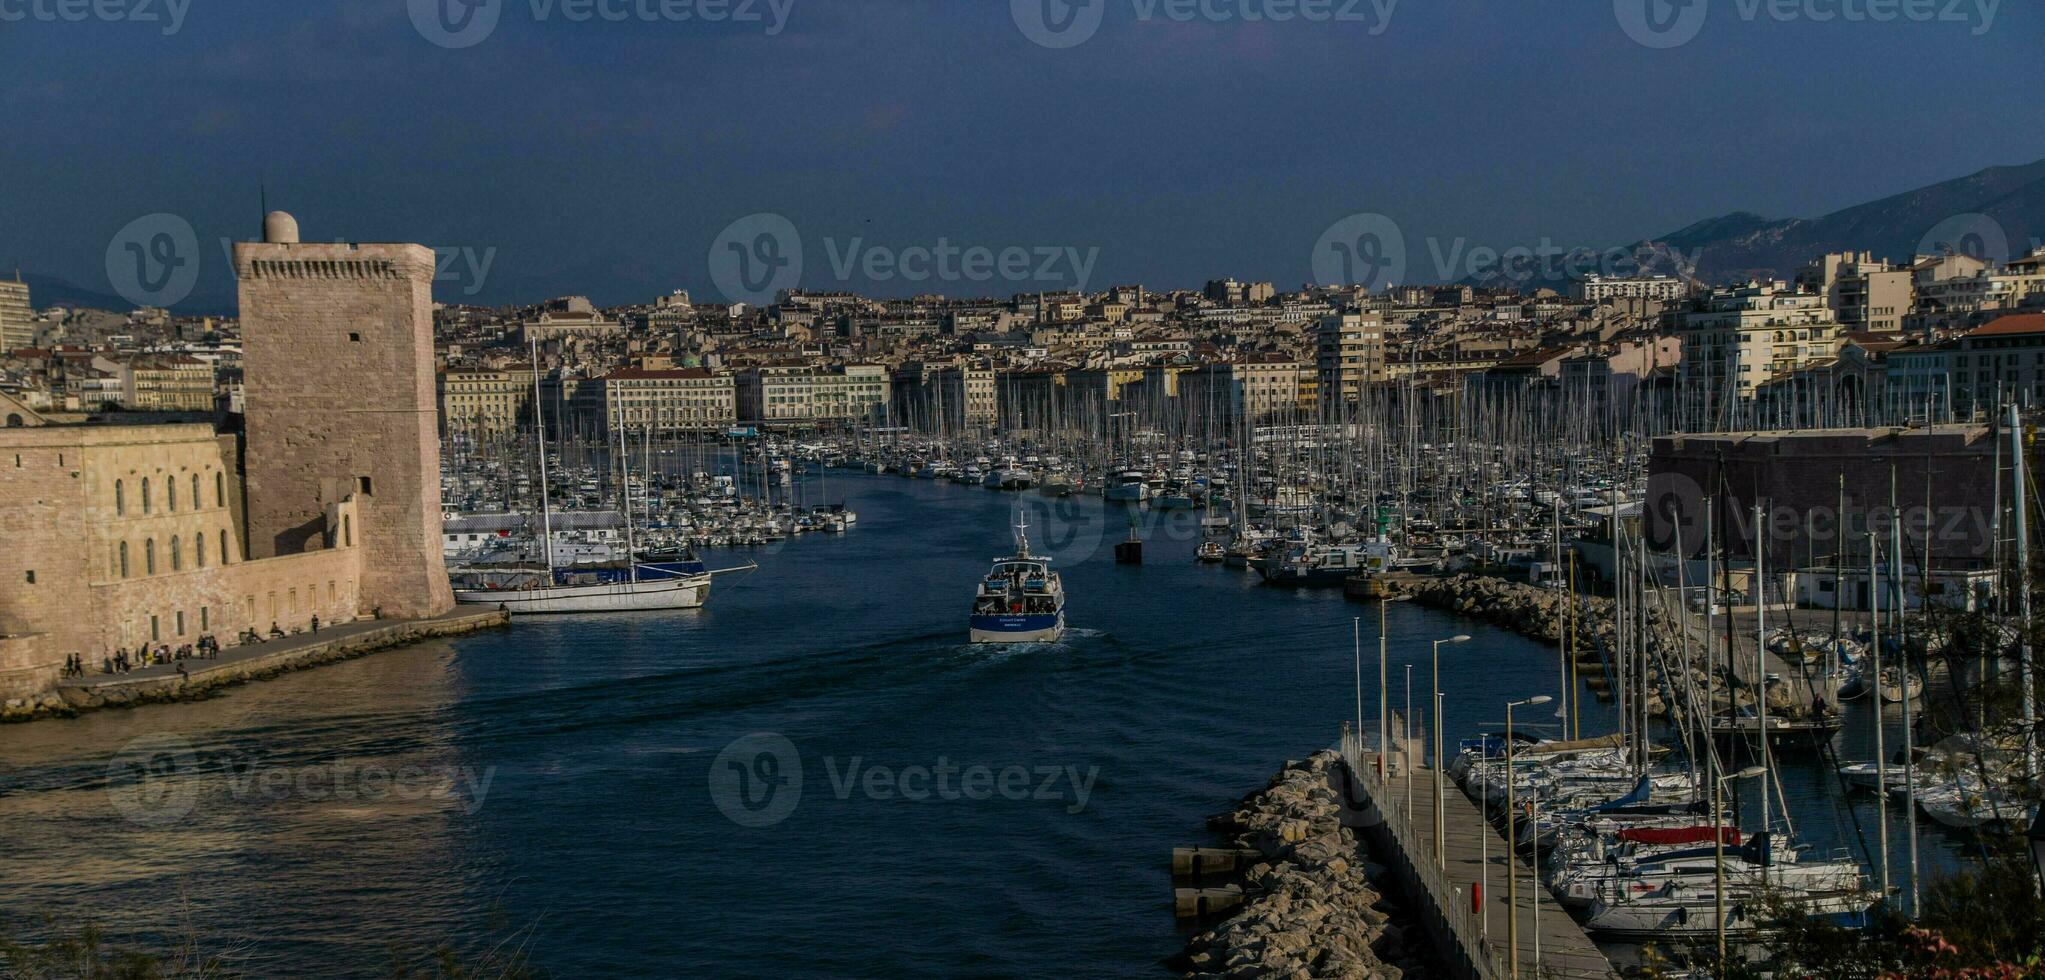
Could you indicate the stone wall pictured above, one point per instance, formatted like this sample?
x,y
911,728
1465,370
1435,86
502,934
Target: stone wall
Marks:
x,y
338,353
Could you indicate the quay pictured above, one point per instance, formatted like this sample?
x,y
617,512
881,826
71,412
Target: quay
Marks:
x,y
1472,943
194,678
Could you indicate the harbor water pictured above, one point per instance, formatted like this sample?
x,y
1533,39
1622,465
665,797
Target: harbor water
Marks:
x,y
814,775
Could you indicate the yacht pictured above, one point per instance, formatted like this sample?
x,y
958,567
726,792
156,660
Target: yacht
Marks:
x,y
1127,486
1021,600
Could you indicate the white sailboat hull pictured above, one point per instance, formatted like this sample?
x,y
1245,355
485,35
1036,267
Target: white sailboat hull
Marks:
x,y
666,593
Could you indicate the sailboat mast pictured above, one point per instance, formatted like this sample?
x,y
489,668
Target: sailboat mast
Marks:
x,y
540,433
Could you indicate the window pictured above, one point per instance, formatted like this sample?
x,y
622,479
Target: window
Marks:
x,y
155,631
199,550
177,554
195,492
123,559
145,495
225,556
170,493
31,576
202,619
219,489
354,338
149,556
180,622
347,531
120,500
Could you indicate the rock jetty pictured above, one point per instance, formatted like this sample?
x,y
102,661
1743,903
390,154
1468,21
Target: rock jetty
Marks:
x,y
1309,907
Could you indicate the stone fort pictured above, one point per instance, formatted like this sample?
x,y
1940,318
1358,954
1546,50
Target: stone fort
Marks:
x,y
327,503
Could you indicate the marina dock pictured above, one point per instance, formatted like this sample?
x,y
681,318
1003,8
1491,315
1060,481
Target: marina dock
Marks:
x,y
1472,943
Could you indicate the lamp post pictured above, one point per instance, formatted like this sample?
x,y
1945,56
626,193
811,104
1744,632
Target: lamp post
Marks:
x,y
1512,873
1440,861
1718,843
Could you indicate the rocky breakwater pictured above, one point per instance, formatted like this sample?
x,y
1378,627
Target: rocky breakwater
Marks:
x,y
1544,614
1309,907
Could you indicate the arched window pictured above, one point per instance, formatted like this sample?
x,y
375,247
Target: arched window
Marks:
x,y
120,499
219,489
198,551
145,495
177,554
170,493
225,555
124,559
149,556
195,492
14,420
347,531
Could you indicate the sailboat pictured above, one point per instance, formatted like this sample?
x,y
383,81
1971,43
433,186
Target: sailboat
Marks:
x,y
643,587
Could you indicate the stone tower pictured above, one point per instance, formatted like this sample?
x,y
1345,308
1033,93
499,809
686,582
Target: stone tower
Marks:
x,y
338,360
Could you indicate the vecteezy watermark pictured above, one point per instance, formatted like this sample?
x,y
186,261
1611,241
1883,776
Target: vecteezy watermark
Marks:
x,y
1370,250
757,781
756,257
154,260
156,780
1974,235
169,13
1664,24
1676,514
456,24
1060,24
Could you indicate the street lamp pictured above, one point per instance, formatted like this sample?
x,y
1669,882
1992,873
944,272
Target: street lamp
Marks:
x,y
1512,874
1439,860
1718,843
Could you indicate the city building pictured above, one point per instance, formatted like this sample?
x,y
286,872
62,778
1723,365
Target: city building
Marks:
x,y
1597,289
804,393
676,399
17,317
482,401
1349,353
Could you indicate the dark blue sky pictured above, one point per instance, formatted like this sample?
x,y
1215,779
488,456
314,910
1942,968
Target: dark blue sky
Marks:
x,y
607,157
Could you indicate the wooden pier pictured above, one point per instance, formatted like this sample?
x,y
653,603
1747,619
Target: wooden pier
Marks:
x,y
1472,942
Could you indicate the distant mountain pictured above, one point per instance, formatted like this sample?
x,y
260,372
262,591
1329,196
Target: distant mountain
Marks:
x,y
47,291
1998,213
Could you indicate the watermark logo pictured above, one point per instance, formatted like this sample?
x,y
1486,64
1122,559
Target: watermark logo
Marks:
x,y
1062,24
756,257
1661,24
1975,235
1365,250
152,780
1058,24
169,13
154,260
757,780
455,24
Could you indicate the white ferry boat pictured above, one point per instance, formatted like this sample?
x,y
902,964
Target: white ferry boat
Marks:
x,y
1021,600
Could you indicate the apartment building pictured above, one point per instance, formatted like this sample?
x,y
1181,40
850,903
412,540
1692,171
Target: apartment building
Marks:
x,y
673,399
170,383
480,401
1349,353
17,318
792,393
1597,289
1224,394
1734,339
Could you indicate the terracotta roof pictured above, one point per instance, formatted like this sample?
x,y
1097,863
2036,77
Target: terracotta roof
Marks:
x,y
2013,326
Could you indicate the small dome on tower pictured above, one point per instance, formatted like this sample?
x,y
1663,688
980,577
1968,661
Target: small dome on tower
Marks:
x,y
280,228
